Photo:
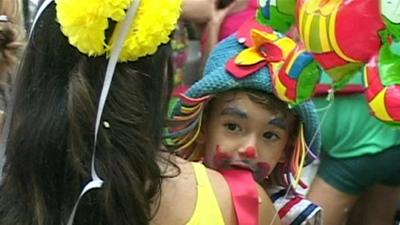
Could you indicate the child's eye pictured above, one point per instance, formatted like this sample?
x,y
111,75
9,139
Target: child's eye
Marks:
x,y
271,136
232,127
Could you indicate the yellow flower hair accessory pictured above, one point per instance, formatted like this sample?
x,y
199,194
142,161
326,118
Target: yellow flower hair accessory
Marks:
x,y
84,22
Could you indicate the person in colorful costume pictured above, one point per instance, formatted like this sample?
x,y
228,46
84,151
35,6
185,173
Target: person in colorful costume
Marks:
x,y
223,23
83,141
231,120
358,179
358,162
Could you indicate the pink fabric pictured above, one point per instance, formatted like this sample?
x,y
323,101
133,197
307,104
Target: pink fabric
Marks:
x,y
244,195
233,21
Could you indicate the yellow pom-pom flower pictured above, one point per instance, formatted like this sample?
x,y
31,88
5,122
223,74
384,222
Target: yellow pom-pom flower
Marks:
x,y
84,22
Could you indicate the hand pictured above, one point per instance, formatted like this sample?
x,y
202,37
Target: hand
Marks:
x,y
218,15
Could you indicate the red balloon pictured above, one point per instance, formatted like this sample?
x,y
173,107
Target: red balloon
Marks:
x,y
342,35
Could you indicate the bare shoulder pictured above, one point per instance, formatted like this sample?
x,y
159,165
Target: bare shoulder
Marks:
x,y
178,189
267,212
223,195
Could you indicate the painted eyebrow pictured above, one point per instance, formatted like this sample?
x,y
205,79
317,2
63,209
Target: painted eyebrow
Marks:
x,y
233,111
279,122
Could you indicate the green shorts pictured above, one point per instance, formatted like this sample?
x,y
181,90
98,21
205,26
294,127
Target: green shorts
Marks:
x,y
355,175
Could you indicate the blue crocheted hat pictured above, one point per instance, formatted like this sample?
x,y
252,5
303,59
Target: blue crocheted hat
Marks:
x,y
217,79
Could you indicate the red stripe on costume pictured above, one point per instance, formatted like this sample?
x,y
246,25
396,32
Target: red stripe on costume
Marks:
x,y
285,209
243,71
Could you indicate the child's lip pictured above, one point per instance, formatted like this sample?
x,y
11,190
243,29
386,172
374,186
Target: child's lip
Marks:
x,y
241,165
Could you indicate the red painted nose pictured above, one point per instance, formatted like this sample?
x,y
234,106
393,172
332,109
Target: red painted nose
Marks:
x,y
250,152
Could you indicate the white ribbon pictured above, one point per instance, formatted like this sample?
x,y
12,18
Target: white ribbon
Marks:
x,y
42,7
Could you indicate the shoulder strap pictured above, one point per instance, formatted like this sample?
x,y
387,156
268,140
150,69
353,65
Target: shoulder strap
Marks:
x,y
207,210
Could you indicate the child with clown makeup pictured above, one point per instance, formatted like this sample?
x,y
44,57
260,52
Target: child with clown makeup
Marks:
x,y
231,120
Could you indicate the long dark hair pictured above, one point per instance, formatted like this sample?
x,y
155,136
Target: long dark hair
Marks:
x,y
50,141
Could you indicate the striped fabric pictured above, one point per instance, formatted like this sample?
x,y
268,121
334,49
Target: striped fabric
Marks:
x,y
294,209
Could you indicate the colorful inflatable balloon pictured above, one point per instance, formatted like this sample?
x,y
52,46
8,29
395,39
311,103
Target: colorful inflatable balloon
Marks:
x,y
278,14
382,80
298,77
341,34
390,10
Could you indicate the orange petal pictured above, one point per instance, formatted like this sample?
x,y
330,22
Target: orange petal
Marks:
x,y
260,37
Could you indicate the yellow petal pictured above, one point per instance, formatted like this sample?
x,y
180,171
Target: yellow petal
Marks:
x,y
260,37
249,56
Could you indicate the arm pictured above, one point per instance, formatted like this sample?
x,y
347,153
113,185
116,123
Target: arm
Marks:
x,y
217,16
267,214
213,26
198,11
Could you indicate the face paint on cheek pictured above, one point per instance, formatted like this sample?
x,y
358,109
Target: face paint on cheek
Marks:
x,y
220,158
263,170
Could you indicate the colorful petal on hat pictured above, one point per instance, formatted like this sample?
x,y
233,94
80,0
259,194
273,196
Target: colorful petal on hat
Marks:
x,y
242,71
271,52
249,56
260,37
268,49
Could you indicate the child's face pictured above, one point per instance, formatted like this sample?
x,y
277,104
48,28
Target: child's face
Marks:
x,y
240,133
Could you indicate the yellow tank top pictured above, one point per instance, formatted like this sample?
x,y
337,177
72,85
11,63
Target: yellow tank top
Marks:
x,y
207,211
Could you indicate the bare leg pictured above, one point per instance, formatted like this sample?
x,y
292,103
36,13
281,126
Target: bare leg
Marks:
x,y
376,206
336,204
